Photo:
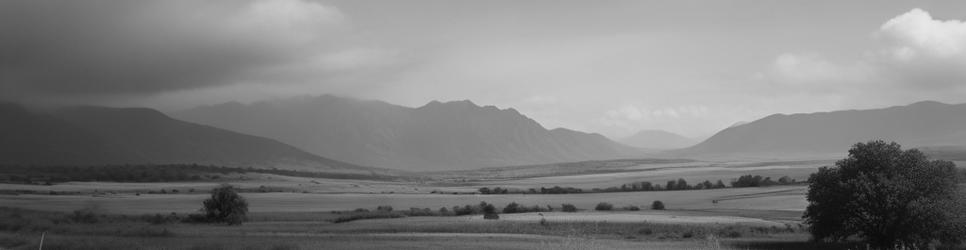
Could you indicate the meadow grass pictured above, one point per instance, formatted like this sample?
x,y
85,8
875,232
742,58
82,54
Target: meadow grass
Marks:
x,y
65,231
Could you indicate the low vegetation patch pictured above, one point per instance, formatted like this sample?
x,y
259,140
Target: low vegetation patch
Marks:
x,y
387,212
570,208
604,206
672,185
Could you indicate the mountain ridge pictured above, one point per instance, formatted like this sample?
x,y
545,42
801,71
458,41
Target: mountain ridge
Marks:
x,y
436,136
90,135
920,124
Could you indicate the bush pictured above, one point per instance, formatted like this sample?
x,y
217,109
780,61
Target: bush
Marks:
x,y
366,215
687,234
570,208
158,219
657,205
604,206
385,208
465,210
489,211
513,207
632,208
226,206
887,197
195,218
732,234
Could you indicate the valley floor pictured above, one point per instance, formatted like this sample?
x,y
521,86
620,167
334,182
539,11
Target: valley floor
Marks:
x,y
297,212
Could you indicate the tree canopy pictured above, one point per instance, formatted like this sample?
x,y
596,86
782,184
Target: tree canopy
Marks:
x,y
225,205
887,197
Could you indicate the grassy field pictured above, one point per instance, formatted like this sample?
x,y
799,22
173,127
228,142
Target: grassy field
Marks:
x,y
783,198
20,229
296,212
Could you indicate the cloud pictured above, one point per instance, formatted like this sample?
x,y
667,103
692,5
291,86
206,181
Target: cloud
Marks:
x,y
118,47
917,34
912,53
922,51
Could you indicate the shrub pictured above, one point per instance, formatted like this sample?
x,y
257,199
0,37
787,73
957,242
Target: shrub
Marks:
x,y
570,208
732,233
513,207
657,205
415,211
687,234
195,218
385,208
464,210
226,206
632,208
604,206
489,211
366,215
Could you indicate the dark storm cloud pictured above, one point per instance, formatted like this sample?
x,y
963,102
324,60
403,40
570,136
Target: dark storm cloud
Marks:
x,y
109,47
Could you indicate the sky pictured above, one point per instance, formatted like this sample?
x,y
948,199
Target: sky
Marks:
x,y
610,67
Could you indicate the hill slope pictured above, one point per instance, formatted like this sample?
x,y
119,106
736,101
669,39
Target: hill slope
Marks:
x,y
97,135
437,136
658,139
920,124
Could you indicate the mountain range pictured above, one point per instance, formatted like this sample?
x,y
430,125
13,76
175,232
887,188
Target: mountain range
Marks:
x,y
336,134
437,136
658,139
98,136
922,124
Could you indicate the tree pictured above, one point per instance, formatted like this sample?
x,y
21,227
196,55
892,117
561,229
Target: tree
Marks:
x,y
785,180
682,185
885,196
671,185
225,205
706,185
657,205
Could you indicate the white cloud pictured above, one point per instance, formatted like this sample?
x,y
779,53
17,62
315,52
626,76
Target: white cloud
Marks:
x,y
916,34
912,55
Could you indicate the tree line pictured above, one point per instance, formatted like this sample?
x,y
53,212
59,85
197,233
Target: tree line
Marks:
x,y
671,185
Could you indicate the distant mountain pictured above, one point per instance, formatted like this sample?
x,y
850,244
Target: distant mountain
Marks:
x,y
437,136
922,124
98,135
658,139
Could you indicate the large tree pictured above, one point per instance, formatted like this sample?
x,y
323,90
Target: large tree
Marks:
x,y
885,196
